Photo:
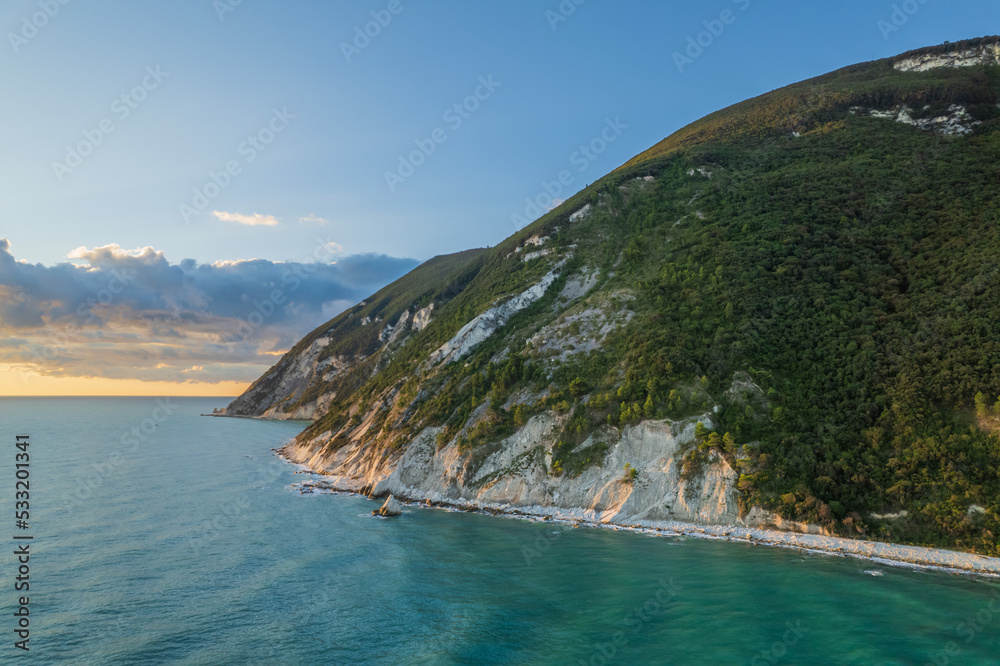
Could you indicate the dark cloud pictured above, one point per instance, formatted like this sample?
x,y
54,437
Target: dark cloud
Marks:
x,y
134,314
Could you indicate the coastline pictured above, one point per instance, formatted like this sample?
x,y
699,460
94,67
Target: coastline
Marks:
x,y
888,554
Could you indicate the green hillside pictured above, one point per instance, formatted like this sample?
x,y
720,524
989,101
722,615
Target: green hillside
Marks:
x,y
350,337
819,104
844,269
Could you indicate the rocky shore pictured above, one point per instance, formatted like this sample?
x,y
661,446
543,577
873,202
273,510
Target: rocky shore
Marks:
x,y
882,553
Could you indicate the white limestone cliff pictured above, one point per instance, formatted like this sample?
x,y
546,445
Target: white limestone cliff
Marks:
x,y
517,474
984,54
487,323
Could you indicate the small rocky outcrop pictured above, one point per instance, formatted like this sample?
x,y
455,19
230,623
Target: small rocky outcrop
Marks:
x,y
390,508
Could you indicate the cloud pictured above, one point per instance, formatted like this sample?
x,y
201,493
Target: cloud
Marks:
x,y
113,252
255,220
311,218
134,314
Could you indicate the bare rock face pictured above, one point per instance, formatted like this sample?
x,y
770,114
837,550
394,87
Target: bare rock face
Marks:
x,y
422,318
984,54
390,508
578,332
581,214
392,333
956,121
286,381
518,474
483,326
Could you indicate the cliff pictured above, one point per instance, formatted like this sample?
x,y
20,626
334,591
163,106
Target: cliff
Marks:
x,y
781,314
517,474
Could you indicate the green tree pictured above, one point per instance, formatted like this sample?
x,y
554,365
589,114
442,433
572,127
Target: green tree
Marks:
x,y
578,387
519,420
981,409
728,443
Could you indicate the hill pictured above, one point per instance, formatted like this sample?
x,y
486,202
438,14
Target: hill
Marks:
x,y
785,313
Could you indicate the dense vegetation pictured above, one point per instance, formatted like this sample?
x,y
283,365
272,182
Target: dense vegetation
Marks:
x,y
854,276
847,275
355,333
818,104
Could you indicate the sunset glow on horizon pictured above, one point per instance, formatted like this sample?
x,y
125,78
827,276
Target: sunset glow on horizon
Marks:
x,y
16,383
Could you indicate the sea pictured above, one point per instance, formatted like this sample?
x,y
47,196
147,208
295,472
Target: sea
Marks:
x,y
162,536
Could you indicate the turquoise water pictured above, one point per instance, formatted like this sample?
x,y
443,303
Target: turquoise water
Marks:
x,y
190,546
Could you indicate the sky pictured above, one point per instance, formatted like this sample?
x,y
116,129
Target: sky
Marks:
x,y
168,167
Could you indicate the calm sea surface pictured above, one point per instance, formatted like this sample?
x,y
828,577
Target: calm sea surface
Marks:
x,y
174,538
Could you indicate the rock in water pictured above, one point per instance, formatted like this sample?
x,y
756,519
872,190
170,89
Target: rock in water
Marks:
x,y
390,508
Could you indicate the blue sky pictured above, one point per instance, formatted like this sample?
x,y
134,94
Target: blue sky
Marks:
x,y
202,76
353,119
